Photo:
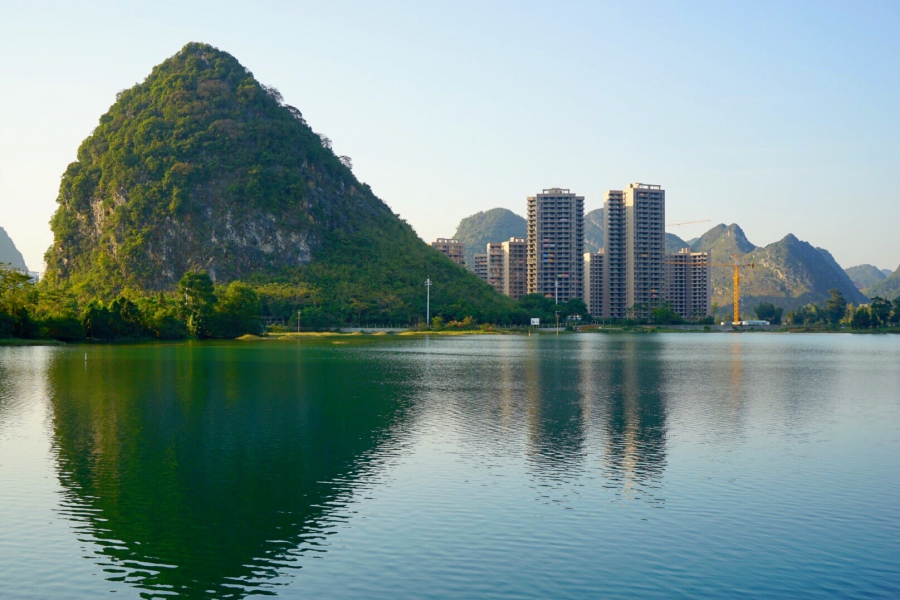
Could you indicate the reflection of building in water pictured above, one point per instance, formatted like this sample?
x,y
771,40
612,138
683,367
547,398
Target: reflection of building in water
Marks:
x,y
20,381
636,414
210,471
556,426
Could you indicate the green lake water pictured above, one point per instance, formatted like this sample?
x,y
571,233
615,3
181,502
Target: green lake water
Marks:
x,y
667,465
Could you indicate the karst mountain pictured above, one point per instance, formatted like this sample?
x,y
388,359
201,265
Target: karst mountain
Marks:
x,y
201,167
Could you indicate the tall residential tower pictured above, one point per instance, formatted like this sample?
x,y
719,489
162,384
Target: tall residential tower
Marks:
x,y
555,244
635,249
614,255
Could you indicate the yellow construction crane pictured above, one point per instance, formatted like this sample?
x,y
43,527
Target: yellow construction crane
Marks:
x,y
737,280
687,223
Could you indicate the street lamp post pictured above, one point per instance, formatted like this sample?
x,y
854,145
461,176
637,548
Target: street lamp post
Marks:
x,y
298,321
428,302
557,323
556,291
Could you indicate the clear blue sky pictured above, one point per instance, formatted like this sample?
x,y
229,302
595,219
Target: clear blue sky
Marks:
x,y
780,116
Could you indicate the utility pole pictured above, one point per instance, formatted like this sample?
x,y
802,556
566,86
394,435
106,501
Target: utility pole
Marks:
x,y
428,302
298,321
556,290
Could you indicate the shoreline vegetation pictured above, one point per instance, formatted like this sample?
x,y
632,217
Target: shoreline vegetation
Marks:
x,y
200,309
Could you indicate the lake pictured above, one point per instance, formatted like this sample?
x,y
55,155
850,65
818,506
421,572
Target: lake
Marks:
x,y
589,465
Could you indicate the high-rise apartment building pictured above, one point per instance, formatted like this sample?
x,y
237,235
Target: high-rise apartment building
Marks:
x,y
515,267
594,277
495,265
480,265
688,285
452,249
635,249
556,244
615,255
645,277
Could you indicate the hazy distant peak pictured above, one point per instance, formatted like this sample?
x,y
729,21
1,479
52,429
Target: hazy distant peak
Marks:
x,y
594,230
887,288
722,236
864,276
9,253
494,225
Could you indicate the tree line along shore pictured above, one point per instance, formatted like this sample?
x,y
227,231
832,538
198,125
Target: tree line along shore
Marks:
x,y
199,309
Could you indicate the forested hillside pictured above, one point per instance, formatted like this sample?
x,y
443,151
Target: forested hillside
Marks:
x,y
201,167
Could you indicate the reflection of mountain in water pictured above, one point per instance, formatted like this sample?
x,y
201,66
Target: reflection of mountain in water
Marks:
x,y
200,470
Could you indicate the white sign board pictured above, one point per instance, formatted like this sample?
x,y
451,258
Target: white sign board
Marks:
x,y
535,321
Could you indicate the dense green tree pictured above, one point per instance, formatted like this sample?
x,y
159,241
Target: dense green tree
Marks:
x,y
880,310
766,311
895,316
835,306
575,306
811,314
198,300
118,319
664,315
237,311
67,329
862,318
18,298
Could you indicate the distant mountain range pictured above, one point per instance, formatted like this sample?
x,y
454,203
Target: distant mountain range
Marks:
x,y
865,276
788,273
889,287
500,224
9,253
494,225
674,243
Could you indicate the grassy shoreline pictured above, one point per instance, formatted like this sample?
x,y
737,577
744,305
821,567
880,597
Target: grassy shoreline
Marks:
x,y
607,330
